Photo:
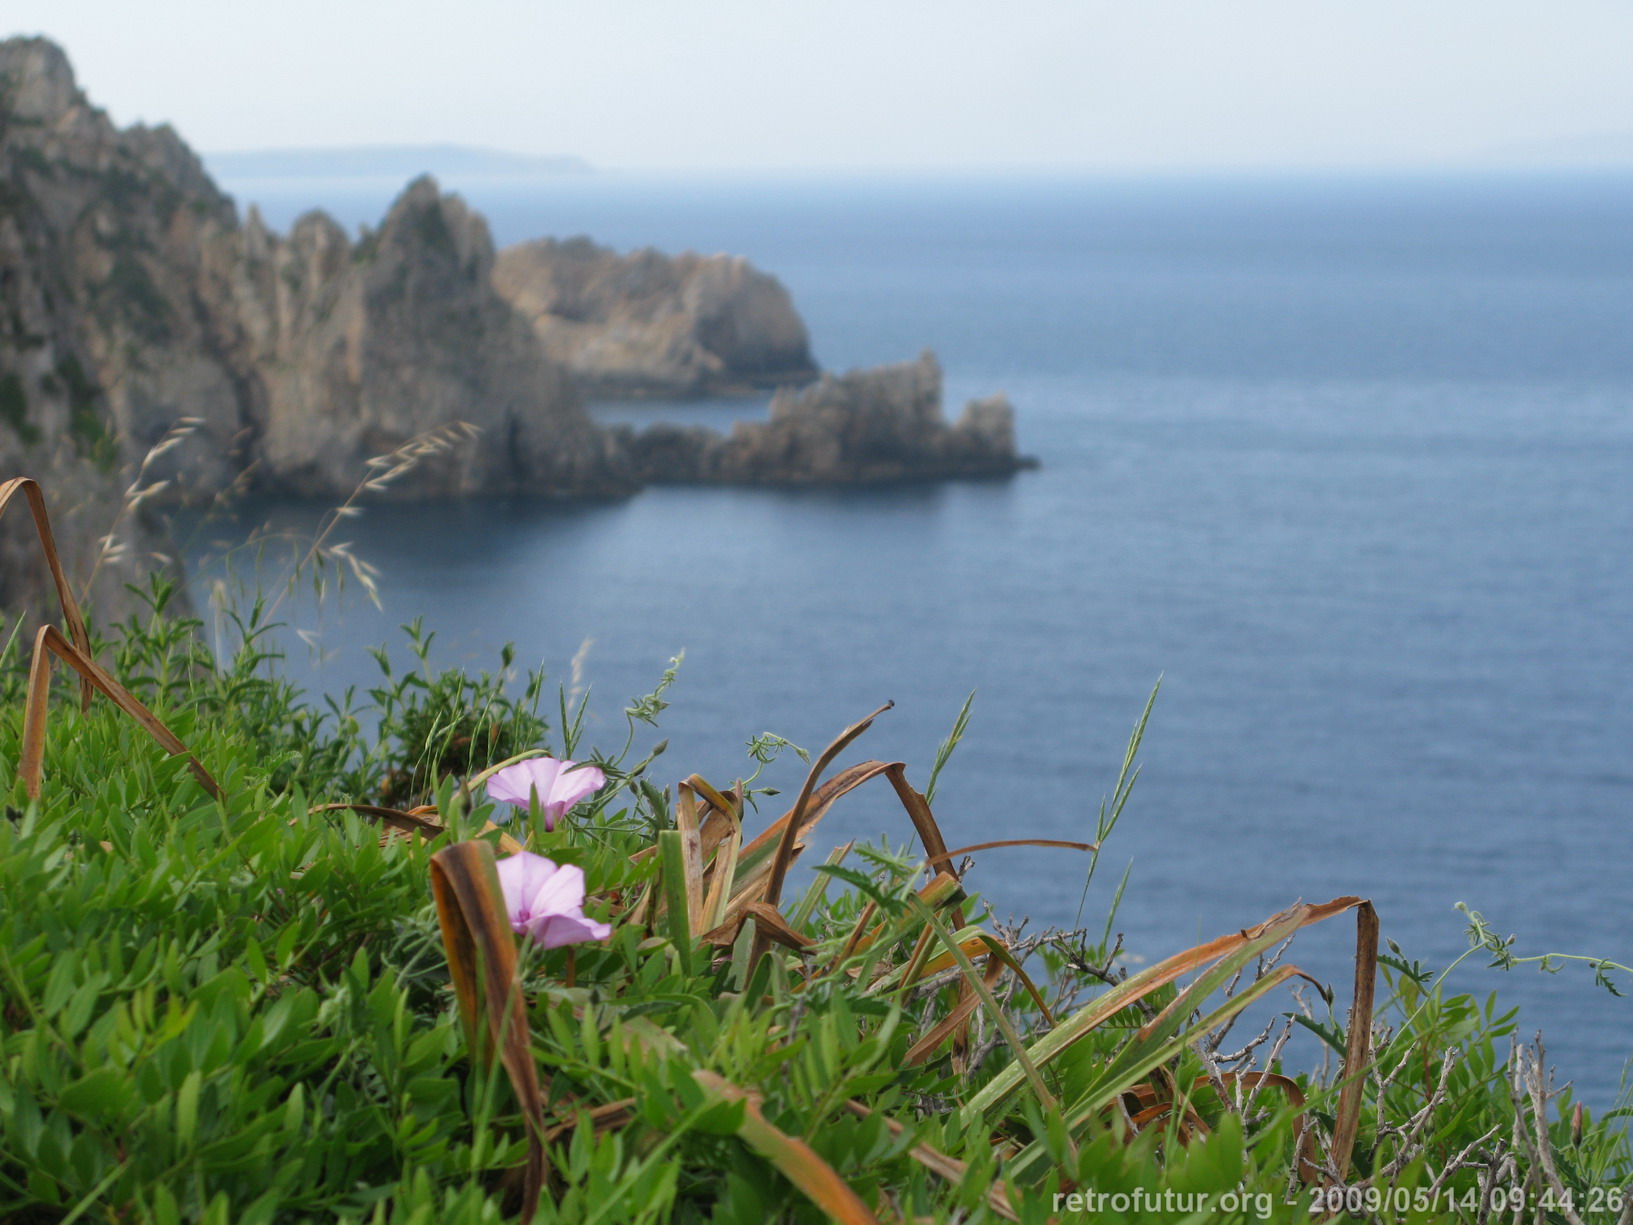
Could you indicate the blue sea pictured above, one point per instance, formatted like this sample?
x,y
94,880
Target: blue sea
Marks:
x,y
1346,462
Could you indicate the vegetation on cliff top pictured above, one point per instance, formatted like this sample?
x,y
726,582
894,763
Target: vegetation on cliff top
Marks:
x,y
255,967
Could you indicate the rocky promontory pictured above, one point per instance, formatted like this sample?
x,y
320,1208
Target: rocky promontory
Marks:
x,y
136,301
360,347
649,324
874,425
151,340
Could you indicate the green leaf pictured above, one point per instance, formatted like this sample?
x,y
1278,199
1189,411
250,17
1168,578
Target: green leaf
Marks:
x,y
187,1108
104,1091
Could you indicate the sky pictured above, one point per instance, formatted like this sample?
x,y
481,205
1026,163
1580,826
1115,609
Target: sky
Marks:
x,y
869,84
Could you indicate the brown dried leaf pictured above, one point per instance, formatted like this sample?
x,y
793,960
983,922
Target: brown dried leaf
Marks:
x,y
784,857
481,952
35,497
937,1162
48,642
797,1160
1347,1118
421,820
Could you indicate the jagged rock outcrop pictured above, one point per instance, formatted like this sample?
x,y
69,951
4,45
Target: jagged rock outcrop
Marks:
x,y
361,347
148,339
294,359
132,302
649,324
881,424
77,289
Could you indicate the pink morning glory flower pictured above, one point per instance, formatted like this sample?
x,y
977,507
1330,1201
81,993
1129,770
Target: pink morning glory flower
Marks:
x,y
545,901
558,784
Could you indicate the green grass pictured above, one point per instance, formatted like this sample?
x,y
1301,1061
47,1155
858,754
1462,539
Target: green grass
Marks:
x,y
240,1010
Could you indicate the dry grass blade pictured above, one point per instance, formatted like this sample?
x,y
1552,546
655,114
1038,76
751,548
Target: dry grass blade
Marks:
x,y
35,497
1358,1046
755,862
768,919
48,642
855,938
918,811
972,940
937,1162
691,852
482,963
946,857
797,1160
1163,1105
721,818
602,1118
417,822
1000,950
784,857
1137,987
777,928
939,892
950,1024
722,869
724,801
1023,1058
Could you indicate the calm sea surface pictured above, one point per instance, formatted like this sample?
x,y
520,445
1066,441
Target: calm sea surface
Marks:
x,y
1348,463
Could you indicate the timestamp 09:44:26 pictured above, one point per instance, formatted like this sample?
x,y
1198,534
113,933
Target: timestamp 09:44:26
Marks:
x,y
1360,1201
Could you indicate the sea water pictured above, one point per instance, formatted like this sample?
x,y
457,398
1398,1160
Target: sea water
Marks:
x,y
1346,462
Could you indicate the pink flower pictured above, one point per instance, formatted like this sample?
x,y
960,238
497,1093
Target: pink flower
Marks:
x,y
545,901
558,784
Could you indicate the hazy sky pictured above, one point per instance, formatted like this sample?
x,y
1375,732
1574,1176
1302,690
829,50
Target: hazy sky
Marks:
x,y
864,83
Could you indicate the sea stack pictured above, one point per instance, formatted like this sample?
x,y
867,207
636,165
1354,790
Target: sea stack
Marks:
x,y
874,425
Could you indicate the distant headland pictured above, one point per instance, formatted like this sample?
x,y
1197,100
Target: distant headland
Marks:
x,y
400,162
151,334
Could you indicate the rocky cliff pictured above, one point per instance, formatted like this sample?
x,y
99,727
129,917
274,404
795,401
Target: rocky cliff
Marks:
x,y
150,340
881,424
649,324
100,235
361,347
296,359
134,308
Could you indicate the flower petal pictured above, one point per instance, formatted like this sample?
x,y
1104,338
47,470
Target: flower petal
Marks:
x,y
559,929
574,782
522,878
516,783
560,893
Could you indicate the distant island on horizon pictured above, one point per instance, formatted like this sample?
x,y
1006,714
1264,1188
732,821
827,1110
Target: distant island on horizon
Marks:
x,y
1609,151
401,162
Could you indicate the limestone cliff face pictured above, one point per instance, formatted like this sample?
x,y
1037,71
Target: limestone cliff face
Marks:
x,y
148,339
126,234
96,322
649,324
881,424
363,347
293,360
134,308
